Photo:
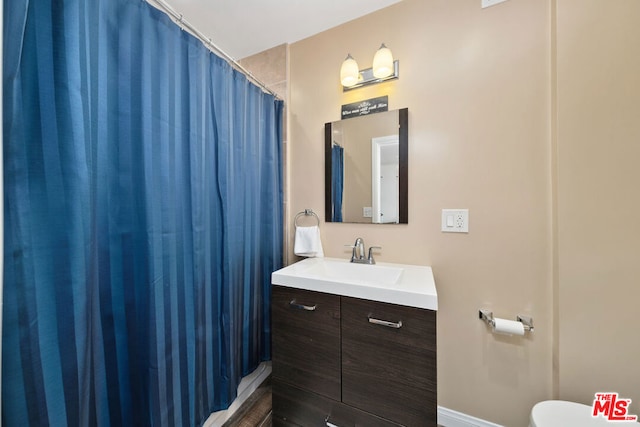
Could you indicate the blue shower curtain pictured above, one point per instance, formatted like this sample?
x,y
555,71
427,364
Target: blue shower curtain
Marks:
x,y
143,218
337,181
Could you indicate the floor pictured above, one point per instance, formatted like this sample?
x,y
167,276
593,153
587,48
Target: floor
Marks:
x,y
256,411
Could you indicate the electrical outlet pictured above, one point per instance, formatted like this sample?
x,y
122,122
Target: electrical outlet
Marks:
x,y
455,220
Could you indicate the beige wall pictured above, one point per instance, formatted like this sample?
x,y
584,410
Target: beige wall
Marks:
x,y
598,146
527,113
270,67
477,85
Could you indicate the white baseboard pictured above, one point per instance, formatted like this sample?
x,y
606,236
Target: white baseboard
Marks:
x,y
248,385
450,418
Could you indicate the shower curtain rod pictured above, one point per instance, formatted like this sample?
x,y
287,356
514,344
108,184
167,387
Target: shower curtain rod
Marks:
x,y
184,24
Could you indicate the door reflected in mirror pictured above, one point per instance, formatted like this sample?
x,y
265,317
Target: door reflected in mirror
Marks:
x,y
366,169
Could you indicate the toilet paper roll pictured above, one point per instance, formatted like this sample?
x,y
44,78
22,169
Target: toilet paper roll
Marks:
x,y
509,327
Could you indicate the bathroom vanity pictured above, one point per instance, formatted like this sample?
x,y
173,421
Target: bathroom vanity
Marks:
x,y
353,345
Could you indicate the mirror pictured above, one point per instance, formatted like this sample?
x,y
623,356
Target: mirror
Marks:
x,y
366,165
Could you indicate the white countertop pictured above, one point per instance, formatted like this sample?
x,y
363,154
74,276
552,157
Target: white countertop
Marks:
x,y
403,284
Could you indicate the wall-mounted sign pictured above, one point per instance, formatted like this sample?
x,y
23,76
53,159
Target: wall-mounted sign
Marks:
x,y
362,108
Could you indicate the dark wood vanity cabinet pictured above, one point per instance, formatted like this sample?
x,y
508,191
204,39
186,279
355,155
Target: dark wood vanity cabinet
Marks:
x,y
306,340
389,361
351,362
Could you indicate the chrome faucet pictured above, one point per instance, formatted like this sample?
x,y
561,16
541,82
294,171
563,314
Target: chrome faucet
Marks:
x,y
357,254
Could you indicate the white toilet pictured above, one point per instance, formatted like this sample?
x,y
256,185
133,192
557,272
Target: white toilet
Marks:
x,y
560,413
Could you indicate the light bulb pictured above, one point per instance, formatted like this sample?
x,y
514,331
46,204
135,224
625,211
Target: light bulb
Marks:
x,y
349,72
383,62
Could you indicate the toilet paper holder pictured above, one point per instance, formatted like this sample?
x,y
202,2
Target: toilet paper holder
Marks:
x,y
487,316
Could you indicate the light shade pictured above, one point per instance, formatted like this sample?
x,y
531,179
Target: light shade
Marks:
x,y
383,62
349,72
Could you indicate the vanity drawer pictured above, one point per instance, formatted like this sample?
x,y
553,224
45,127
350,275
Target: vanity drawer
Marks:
x,y
306,340
389,369
296,407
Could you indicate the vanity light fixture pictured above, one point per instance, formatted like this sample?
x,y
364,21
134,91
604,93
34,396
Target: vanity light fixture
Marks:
x,y
383,62
349,72
384,68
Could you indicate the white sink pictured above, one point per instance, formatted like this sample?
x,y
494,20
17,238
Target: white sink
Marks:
x,y
357,274
403,284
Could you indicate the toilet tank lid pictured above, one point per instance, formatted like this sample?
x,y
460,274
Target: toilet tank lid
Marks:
x,y
561,413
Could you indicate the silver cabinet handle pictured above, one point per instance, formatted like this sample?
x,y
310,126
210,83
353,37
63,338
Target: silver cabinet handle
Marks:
x,y
330,423
395,325
294,304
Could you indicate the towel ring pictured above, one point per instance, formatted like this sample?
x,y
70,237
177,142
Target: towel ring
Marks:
x,y
306,212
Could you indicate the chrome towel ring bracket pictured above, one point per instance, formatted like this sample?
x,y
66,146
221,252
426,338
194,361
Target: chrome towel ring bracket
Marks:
x,y
305,213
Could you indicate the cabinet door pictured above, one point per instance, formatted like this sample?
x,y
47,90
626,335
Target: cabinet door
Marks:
x,y
296,407
389,367
306,340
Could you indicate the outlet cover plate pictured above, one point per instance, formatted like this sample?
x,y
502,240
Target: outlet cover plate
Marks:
x,y
455,220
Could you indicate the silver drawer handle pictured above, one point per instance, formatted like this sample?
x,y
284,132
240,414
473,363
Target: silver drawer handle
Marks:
x,y
386,323
294,304
330,423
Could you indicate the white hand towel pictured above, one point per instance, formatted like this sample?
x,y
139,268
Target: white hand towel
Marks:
x,y
307,242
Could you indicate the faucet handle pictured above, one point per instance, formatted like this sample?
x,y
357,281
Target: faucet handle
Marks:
x,y
371,260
